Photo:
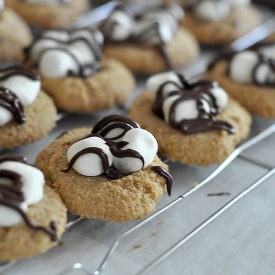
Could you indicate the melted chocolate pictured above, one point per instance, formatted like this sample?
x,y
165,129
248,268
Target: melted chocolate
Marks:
x,y
11,196
163,173
219,194
11,102
17,70
84,70
205,121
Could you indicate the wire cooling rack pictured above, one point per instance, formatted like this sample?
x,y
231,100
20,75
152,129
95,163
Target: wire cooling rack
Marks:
x,y
262,134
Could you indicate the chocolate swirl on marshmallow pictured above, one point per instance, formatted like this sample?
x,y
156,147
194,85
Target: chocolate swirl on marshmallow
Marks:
x,y
12,196
198,96
153,28
122,148
76,53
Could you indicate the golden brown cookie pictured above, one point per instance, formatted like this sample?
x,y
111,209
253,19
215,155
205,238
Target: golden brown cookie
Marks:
x,y
56,17
130,197
21,241
15,35
258,100
199,148
110,86
181,50
40,120
239,22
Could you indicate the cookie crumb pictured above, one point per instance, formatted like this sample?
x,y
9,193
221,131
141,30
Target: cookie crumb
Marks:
x,y
195,184
137,246
155,234
61,243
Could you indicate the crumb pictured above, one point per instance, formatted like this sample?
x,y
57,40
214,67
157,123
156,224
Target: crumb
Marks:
x,y
160,222
195,184
154,233
137,246
70,230
61,243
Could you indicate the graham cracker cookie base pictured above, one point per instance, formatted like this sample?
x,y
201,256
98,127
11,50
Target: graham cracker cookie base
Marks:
x,y
128,198
239,22
56,17
147,60
110,86
20,241
200,148
15,35
258,100
40,121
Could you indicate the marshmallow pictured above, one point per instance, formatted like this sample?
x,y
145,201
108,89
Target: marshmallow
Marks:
x,y
58,35
144,143
263,73
97,36
89,164
32,188
212,10
154,82
239,3
269,51
221,96
5,116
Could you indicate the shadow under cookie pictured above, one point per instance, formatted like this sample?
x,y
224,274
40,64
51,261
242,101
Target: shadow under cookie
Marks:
x,y
128,198
258,100
200,148
40,121
110,86
20,241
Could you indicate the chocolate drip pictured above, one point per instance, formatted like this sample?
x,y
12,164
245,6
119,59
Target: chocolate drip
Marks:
x,y
13,158
11,196
111,122
11,102
84,70
219,194
163,173
205,121
110,172
18,70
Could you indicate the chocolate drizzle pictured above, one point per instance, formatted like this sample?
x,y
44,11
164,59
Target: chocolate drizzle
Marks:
x,y
200,92
11,196
17,70
84,70
163,173
11,102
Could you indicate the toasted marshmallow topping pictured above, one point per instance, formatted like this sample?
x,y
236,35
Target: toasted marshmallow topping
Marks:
x,y
189,107
58,54
154,27
18,86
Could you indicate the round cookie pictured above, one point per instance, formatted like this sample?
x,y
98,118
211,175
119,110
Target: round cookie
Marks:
x,y
252,88
15,35
48,213
74,73
56,16
203,147
36,116
125,198
149,42
221,27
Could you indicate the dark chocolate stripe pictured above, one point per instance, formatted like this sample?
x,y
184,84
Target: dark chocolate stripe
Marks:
x,y
163,173
18,70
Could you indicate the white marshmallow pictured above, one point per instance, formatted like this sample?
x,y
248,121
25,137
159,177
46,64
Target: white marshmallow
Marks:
x,y
239,3
242,65
83,48
56,64
58,35
97,35
269,51
26,89
221,96
5,116
9,216
262,73
154,82
212,10
89,164
40,46
141,141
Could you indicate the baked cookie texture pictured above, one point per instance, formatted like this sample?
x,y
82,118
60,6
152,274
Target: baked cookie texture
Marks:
x,y
15,35
40,120
258,100
57,17
130,197
147,60
111,85
20,241
200,148
239,22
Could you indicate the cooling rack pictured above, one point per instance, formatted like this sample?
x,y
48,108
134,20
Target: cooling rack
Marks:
x,y
201,197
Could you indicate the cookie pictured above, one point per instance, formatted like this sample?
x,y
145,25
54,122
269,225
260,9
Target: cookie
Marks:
x,y
49,14
110,173
195,123
29,213
249,77
149,42
74,73
15,35
222,22
26,112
